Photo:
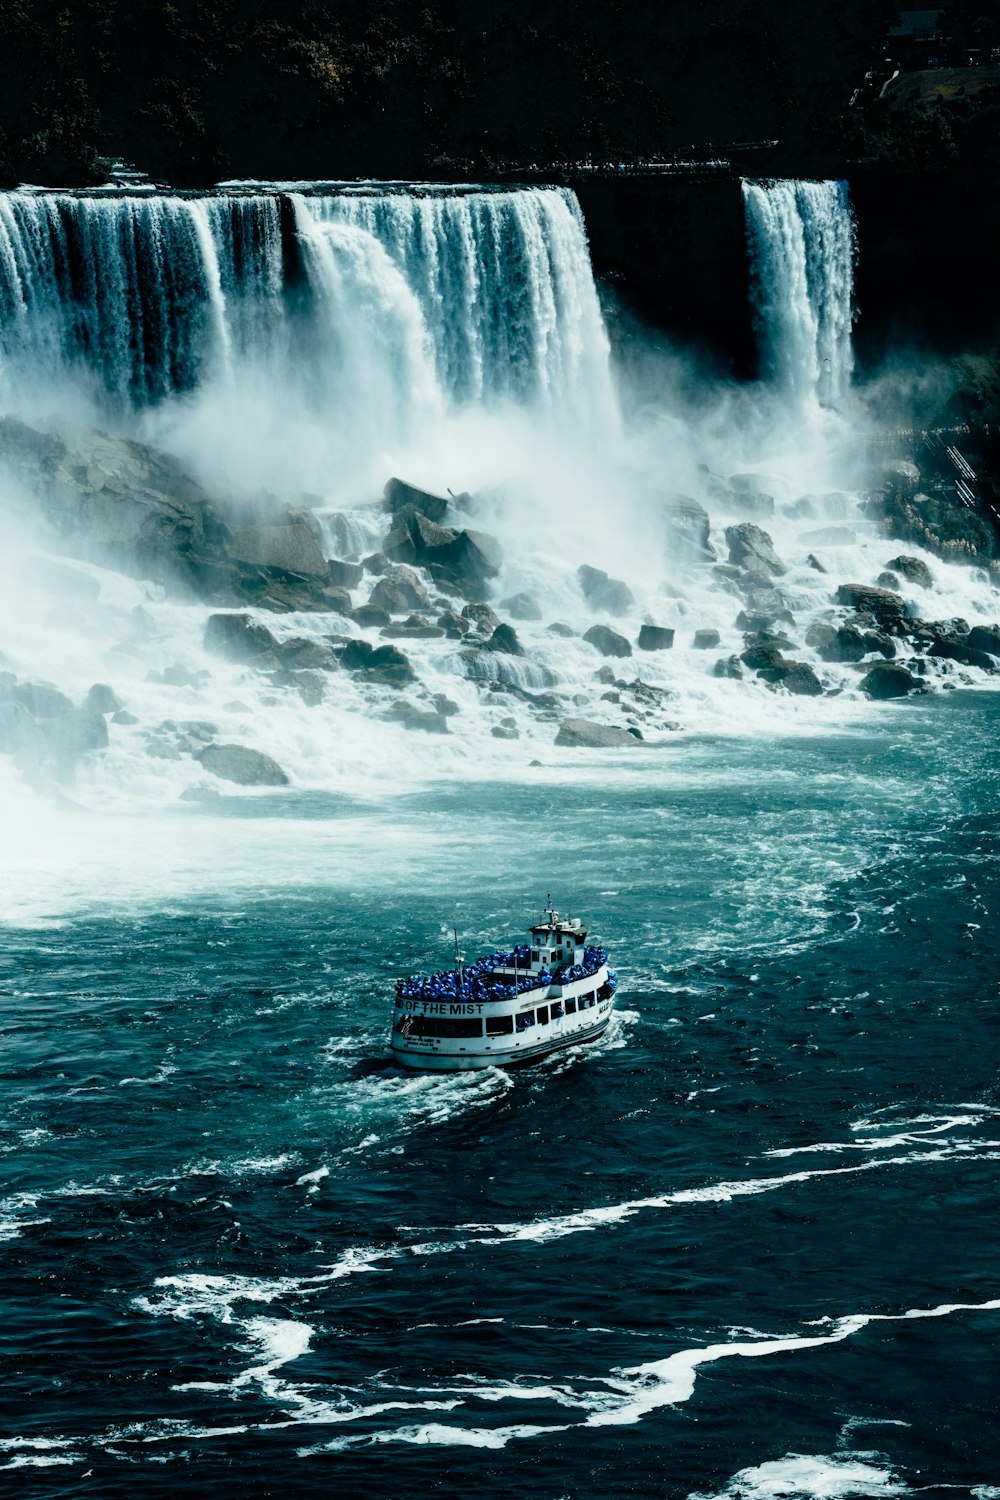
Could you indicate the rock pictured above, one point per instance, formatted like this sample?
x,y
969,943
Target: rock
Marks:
x,y
482,617
239,638
385,665
506,730
886,680
293,548
651,638
802,680
763,620
446,707
420,719
848,644
522,607
984,638
179,675
610,595
377,563
750,547
815,563
504,639
454,626
124,717
19,733
398,495
762,658
913,569
102,699
939,523
301,652
887,580
586,734
729,666
953,648
877,640
705,640
240,764
606,675
820,635
607,641
370,616
407,632
886,607
399,591
42,700
344,575
468,561
559,628
687,527
414,538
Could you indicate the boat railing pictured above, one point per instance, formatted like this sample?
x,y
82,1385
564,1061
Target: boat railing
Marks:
x,y
478,981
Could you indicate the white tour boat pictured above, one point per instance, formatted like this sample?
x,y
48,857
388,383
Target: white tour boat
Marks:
x,y
508,1008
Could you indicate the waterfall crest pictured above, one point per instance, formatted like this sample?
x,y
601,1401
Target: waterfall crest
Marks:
x,y
415,300
801,243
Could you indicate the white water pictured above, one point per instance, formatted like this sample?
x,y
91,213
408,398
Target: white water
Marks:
x,y
801,242
320,341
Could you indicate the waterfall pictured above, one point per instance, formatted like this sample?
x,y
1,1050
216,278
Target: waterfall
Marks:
x,y
405,301
801,244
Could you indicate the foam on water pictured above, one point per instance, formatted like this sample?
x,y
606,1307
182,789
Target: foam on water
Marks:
x,y
800,1476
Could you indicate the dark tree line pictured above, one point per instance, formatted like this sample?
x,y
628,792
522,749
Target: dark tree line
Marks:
x,y
192,90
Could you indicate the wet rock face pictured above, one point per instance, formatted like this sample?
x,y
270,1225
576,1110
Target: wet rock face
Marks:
x,y
587,734
729,666
609,595
655,638
241,765
293,548
398,495
753,549
940,523
706,640
399,591
504,639
239,638
802,680
985,638
385,665
913,569
889,680
345,575
607,641
886,607
482,617
687,528
956,648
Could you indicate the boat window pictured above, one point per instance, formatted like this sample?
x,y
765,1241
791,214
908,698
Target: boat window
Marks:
x,y
525,1019
450,1026
543,1015
571,1007
557,1011
499,1025
534,955
586,1001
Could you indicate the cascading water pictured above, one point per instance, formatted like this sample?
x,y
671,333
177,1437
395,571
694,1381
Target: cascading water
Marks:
x,y
801,243
410,303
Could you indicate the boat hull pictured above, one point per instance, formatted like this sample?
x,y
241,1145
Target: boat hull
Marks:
x,y
420,1061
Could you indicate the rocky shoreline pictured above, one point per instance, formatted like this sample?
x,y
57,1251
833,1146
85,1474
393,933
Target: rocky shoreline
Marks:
x,y
96,499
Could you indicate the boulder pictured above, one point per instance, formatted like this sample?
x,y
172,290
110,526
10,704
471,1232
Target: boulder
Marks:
x,y
454,626
504,639
42,700
651,638
467,562
888,680
706,640
19,732
848,644
821,636
356,655
764,658
424,720
482,617
370,616
888,580
344,575
802,680
750,547
877,640
387,666
955,648
687,527
293,548
376,563
610,595
102,699
399,591
607,641
506,730
560,628
414,538
886,607
239,638
913,569
302,653
399,495
984,638
729,666
815,563
240,764
586,734
522,607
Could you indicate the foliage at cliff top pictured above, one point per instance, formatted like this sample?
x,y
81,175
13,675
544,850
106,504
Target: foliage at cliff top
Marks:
x,y
192,90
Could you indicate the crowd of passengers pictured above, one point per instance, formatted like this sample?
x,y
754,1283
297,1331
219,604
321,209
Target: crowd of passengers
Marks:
x,y
476,981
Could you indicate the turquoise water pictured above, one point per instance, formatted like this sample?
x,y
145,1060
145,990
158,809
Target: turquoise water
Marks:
x,y
751,1230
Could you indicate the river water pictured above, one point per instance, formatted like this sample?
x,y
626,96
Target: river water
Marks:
x,y
743,1246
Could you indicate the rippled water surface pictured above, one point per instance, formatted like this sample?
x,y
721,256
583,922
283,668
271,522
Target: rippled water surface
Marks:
x,y
746,1245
